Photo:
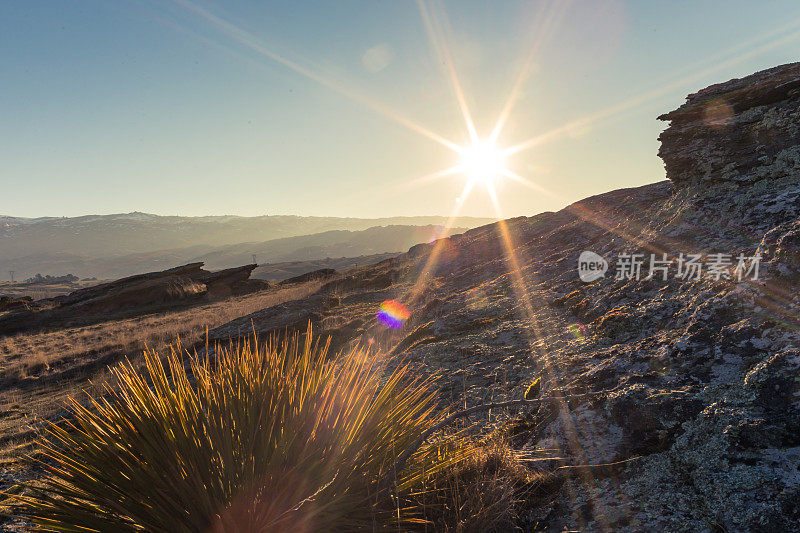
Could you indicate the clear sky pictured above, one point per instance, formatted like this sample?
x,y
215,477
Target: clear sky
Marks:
x,y
328,108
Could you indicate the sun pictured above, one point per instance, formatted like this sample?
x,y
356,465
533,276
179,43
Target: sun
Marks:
x,y
482,162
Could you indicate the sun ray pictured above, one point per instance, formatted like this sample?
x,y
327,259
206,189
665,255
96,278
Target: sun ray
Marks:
x,y
528,183
743,45
647,97
553,17
249,40
438,40
423,277
535,331
429,177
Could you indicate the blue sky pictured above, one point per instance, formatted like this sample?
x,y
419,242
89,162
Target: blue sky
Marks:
x,y
190,108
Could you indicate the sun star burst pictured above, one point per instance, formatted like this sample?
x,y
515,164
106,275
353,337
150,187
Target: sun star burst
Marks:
x,y
482,162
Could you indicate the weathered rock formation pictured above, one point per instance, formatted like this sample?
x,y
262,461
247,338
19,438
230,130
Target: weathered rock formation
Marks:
x,y
741,130
183,285
689,385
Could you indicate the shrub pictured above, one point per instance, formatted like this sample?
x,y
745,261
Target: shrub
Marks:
x,y
486,492
270,436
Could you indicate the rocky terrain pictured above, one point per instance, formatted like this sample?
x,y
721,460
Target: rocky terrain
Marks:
x,y
673,400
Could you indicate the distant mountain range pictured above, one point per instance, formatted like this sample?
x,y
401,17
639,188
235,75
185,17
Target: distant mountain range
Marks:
x,y
111,246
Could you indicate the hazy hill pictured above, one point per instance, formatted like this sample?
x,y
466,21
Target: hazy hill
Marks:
x,y
335,243
110,246
377,240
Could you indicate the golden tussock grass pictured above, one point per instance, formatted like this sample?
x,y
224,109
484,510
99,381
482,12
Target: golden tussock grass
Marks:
x,y
39,371
260,436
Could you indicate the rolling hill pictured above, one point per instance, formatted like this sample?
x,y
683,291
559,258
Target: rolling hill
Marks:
x,y
111,246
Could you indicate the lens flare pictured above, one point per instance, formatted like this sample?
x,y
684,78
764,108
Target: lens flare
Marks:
x,y
393,314
718,113
578,331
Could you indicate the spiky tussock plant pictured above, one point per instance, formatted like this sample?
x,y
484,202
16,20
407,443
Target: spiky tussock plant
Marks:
x,y
271,436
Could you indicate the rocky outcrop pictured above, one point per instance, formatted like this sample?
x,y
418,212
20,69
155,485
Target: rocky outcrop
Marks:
x,y
742,130
174,285
179,286
377,278
688,385
231,281
104,291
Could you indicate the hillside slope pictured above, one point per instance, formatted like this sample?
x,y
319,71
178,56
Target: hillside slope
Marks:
x,y
686,388
290,269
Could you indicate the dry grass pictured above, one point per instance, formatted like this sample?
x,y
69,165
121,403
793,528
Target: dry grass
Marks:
x,y
484,493
28,355
40,371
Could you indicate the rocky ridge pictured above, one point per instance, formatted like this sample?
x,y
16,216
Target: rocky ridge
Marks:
x,y
689,387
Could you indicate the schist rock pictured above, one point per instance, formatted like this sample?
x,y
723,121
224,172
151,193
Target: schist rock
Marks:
x,y
743,130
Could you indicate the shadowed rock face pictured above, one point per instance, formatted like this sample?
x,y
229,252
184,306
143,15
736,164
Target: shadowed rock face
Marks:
x,y
698,378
